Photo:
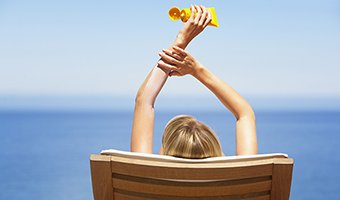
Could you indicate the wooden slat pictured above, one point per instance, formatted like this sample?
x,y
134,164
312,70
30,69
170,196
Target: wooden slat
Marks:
x,y
192,191
120,196
101,177
128,195
200,183
265,197
170,159
196,174
229,163
163,169
282,177
175,172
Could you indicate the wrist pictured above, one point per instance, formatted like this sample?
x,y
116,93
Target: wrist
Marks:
x,y
181,41
165,71
198,71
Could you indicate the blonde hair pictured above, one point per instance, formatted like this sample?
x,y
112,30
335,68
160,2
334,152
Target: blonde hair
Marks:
x,y
186,137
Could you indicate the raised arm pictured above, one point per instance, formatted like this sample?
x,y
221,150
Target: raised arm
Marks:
x,y
143,119
180,62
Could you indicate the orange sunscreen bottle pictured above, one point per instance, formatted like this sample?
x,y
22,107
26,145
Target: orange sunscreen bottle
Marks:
x,y
175,14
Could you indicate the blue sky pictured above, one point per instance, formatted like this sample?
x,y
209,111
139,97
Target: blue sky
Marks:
x,y
264,49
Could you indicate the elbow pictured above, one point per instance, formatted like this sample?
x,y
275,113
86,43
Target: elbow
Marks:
x,y
142,100
138,97
248,113
251,114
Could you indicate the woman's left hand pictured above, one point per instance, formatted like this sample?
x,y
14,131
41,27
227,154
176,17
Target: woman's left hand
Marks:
x,y
178,61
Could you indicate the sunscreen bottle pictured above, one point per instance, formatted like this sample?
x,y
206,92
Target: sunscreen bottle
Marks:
x,y
175,14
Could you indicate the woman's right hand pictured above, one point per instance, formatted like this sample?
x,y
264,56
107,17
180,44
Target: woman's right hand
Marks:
x,y
194,26
179,62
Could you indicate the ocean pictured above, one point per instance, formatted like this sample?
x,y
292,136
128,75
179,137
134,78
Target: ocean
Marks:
x,y
45,154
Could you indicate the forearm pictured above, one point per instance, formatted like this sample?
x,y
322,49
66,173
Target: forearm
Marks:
x,y
151,87
227,95
180,42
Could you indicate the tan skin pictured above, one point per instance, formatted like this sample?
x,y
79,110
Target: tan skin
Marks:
x,y
175,61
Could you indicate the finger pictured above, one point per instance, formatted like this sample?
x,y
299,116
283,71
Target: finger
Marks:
x,y
203,17
173,54
163,65
175,73
192,15
180,51
168,59
199,14
208,19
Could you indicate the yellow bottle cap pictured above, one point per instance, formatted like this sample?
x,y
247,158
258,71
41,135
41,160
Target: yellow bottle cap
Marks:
x,y
175,13
185,14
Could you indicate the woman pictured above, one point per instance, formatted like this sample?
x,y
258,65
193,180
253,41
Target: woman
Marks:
x,y
184,136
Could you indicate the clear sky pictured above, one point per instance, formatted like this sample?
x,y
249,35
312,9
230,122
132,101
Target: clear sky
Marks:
x,y
105,48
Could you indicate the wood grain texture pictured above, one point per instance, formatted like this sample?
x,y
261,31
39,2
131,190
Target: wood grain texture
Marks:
x,y
192,191
122,194
281,181
199,171
101,174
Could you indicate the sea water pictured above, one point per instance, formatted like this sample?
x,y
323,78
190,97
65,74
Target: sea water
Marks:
x,y
45,154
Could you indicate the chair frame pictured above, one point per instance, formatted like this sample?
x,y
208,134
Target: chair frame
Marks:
x,y
135,176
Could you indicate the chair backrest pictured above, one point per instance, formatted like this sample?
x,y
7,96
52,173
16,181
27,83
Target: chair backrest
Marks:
x,y
126,175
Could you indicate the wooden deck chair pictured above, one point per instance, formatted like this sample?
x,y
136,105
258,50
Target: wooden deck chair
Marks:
x,y
125,175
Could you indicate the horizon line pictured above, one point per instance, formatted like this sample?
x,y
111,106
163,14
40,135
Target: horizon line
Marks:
x,y
126,102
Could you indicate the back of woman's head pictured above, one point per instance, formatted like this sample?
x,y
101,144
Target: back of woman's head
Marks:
x,y
186,137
